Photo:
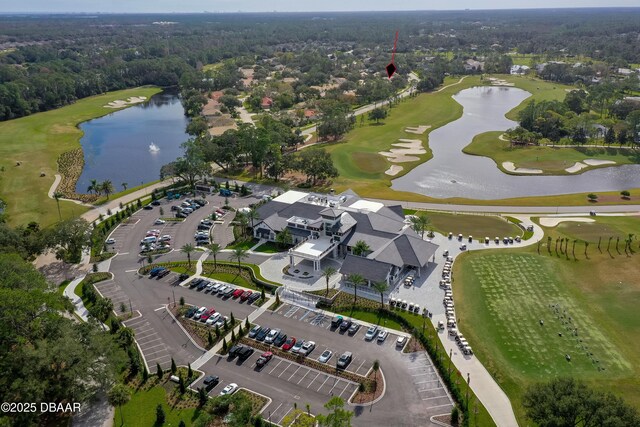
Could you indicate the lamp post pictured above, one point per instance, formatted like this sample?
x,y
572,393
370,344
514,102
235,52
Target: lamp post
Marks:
x,y
174,297
450,356
424,318
468,386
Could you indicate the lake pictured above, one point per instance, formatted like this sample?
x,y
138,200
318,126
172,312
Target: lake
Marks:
x,y
116,146
452,173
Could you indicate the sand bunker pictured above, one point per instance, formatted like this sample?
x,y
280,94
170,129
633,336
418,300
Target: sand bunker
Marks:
x,y
511,167
552,222
577,166
503,137
119,103
403,154
500,82
594,162
394,170
419,130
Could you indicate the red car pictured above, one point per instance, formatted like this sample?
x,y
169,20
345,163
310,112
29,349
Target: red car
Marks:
x,y
264,358
245,295
207,314
289,343
237,293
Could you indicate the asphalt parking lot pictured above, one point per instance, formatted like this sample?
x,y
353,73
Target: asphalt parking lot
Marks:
x,y
151,343
426,382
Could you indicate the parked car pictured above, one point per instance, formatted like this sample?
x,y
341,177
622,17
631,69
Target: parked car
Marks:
x,y
199,313
213,319
371,333
175,208
195,282
233,351
202,285
297,346
156,203
230,389
263,359
222,290
325,356
401,341
162,274
271,336
291,341
344,360
210,382
382,335
345,325
336,321
230,290
110,241
205,316
204,227
221,320
254,331
206,222
155,271
191,311
355,327
147,207
245,353
245,295
307,348
253,298
159,221
262,334
215,287
280,339
181,215
237,293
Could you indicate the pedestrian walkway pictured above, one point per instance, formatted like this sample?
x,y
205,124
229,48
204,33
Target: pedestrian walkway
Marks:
x,y
79,307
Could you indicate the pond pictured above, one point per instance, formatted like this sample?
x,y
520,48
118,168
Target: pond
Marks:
x,y
117,146
452,173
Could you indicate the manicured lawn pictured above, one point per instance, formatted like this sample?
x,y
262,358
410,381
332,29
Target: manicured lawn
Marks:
x,y
374,318
243,244
232,278
551,160
269,248
36,142
588,305
478,226
141,409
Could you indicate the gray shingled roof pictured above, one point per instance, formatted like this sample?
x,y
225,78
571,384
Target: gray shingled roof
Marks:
x,y
405,250
331,212
368,268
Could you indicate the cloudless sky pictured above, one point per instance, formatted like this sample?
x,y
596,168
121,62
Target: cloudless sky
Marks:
x,y
182,6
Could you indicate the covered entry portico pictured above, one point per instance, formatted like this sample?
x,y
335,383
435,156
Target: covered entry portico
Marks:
x,y
312,249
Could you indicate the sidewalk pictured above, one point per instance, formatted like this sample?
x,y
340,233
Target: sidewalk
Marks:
x,y
69,292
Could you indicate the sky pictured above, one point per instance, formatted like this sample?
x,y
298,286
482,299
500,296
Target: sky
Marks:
x,y
185,6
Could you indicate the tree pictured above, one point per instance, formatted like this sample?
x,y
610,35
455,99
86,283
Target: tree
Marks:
x,y
376,368
124,186
58,195
202,396
337,417
70,237
118,396
159,372
174,368
567,402
224,345
160,415
381,288
335,120
592,197
284,238
419,223
126,337
239,254
625,194
316,164
356,280
188,249
610,136
455,416
360,248
361,389
182,301
107,188
378,114
192,164
327,273
214,249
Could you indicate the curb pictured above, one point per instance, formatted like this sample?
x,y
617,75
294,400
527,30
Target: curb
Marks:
x,y
376,400
166,307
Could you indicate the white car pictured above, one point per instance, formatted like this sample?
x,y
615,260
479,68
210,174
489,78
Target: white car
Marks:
x,y
272,336
220,322
297,346
371,333
200,312
159,221
201,233
325,356
230,389
213,319
382,335
154,232
401,341
165,238
110,241
307,348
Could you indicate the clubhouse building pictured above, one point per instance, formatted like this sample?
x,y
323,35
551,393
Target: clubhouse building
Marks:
x,y
331,226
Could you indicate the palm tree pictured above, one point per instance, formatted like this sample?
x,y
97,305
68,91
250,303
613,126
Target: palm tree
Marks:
x,y
124,186
239,254
252,216
118,396
284,238
107,187
419,223
361,248
327,273
58,195
215,249
187,249
381,288
126,336
376,368
244,222
357,280
94,186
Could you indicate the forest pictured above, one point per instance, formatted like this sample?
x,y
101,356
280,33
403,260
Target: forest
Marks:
x,y
48,61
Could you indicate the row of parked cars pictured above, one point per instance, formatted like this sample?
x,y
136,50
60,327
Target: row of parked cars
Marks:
x,y
447,301
403,304
187,207
207,315
224,290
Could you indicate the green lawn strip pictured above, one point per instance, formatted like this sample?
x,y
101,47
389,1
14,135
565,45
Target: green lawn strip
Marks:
x,y
478,226
63,285
253,268
269,248
102,200
502,296
243,244
36,142
551,160
141,409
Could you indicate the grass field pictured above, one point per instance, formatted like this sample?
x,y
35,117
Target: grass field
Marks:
x,y
36,142
478,226
551,160
588,303
141,409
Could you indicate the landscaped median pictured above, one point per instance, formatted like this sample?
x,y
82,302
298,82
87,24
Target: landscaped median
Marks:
x,y
204,335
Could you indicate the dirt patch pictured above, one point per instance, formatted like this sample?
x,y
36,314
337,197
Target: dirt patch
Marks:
x,y
413,346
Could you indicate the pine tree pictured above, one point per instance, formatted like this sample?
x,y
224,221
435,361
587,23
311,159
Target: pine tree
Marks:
x,y
160,415
189,371
233,321
233,336
247,325
224,345
174,368
159,371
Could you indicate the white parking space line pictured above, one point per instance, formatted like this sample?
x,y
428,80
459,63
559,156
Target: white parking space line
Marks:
x,y
148,342
335,384
294,373
305,375
276,410
327,379
343,390
305,315
155,351
276,367
363,362
314,379
159,308
420,375
285,415
429,381
429,389
291,311
439,406
285,369
147,348
419,367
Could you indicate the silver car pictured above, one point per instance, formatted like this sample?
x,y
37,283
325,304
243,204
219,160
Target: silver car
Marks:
x,y
325,356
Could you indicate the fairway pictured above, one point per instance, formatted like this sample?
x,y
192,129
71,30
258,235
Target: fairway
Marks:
x,y
478,226
587,302
36,142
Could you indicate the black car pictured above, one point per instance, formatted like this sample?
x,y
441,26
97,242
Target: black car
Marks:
x,y
253,297
162,274
336,321
244,353
191,312
262,334
175,208
203,285
204,227
254,331
345,325
354,328
155,203
183,277
210,382
233,352
280,339
195,283
147,207
181,215
201,202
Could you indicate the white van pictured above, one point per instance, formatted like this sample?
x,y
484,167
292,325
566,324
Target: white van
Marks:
x,y
148,239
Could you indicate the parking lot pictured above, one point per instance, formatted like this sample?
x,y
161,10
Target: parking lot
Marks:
x,y
111,290
426,382
151,343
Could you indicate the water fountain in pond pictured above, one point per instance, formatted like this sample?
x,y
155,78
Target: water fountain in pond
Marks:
x,y
153,148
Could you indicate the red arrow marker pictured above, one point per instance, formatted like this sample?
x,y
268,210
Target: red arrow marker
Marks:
x,y
391,68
